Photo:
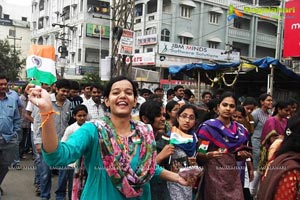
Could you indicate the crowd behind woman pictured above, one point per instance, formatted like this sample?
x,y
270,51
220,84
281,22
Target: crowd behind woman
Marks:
x,y
235,143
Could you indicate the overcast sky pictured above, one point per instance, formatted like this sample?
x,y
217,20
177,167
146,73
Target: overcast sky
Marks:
x,y
19,2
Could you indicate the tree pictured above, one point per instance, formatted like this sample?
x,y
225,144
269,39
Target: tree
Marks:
x,y
91,78
10,62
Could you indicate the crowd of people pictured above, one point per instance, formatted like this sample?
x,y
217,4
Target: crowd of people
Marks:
x,y
122,142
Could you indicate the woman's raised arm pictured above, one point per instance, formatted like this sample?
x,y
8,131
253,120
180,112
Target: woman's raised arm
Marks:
x,y
41,99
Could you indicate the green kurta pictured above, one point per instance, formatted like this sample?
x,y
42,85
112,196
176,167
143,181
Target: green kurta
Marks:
x,y
85,141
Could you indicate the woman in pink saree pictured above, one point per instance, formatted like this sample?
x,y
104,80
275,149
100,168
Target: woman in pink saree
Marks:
x,y
273,127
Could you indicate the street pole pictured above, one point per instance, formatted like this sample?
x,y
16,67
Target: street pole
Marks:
x,y
277,50
100,47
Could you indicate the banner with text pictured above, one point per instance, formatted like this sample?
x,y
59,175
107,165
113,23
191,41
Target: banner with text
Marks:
x,y
292,30
142,59
126,42
192,51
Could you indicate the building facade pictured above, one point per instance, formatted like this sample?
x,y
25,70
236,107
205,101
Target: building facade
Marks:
x,y
15,27
166,32
186,31
76,24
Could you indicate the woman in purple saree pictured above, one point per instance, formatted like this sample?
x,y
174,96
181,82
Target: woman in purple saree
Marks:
x,y
221,144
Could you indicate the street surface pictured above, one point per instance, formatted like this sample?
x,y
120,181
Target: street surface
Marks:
x,y
18,184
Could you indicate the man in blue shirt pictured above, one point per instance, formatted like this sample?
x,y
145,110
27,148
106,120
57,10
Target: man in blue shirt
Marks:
x,y
10,124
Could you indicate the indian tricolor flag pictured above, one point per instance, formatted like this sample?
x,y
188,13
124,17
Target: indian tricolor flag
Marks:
x,y
179,137
40,64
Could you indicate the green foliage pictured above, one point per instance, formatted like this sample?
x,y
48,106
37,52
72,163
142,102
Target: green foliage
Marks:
x,y
10,62
92,78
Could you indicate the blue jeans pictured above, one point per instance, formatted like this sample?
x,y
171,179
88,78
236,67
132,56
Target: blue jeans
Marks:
x,y
36,162
17,152
45,178
65,178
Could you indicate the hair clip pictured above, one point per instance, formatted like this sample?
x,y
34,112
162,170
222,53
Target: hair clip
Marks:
x,y
288,132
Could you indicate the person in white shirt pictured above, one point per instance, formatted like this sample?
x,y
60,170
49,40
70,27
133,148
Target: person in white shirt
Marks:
x,y
80,114
94,105
86,95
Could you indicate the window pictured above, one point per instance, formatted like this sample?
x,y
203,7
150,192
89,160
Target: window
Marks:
x,y
185,11
138,10
66,12
24,19
213,18
151,18
79,55
165,35
34,25
237,24
150,31
81,5
149,50
5,16
41,23
100,7
41,5
213,45
138,21
12,33
92,55
136,51
184,40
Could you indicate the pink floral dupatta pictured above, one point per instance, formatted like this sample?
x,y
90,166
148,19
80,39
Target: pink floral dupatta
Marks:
x,y
116,156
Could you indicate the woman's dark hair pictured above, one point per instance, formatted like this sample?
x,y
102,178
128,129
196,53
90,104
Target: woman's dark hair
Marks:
x,y
263,97
170,105
291,141
228,94
79,108
280,105
249,101
241,109
117,79
150,110
183,108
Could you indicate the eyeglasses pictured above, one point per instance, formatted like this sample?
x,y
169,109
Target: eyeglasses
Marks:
x,y
185,117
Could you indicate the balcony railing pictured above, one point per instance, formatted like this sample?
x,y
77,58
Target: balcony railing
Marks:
x,y
219,2
266,39
239,33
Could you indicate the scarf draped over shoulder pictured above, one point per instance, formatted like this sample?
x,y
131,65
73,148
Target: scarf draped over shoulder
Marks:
x,y
213,130
117,159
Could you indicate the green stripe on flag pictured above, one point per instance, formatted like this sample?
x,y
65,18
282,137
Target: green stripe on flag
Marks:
x,y
42,76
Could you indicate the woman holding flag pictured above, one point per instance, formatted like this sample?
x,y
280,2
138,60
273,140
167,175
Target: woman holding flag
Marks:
x,y
120,153
221,144
183,137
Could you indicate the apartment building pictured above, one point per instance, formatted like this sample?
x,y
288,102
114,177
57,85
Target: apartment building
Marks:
x,y
190,30
166,32
15,27
77,25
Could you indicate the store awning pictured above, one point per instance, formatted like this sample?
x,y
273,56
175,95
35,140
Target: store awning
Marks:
x,y
186,34
217,10
188,3
215,39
